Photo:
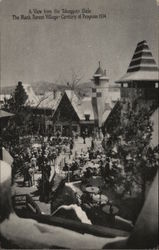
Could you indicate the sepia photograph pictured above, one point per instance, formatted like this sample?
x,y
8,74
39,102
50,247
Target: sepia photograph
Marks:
x,y
79,124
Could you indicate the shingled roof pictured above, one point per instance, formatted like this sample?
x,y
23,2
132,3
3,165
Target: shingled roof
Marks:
x,y
81,106
142,66
32,98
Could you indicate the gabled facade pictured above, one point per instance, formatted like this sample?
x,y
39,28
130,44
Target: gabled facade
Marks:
x,y
65,118
73,115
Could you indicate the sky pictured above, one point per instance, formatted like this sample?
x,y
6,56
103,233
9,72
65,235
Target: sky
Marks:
x,y
48,50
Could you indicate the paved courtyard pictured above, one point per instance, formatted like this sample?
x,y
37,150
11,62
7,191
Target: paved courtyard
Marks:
x,y
18,187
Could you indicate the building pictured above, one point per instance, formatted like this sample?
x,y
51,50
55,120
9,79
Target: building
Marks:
x,y
32,98
67,111
100,95
141,82
142,76
73,114
86,114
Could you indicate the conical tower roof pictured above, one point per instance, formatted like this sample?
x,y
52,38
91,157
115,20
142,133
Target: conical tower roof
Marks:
x,y
99,71
142,66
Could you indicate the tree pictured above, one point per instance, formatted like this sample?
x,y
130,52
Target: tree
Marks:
x,y
128,141
19,97
16,105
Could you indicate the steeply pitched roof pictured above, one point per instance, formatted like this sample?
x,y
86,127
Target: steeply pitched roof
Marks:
x,y
139,76
105,115
87,108
4,114
75,101
99,71
142,66
50,100
32,99
142,59
81,106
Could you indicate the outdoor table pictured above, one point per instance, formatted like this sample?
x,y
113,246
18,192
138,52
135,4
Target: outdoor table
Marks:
x,y
92,190
106,209
103,199
36,145
91,165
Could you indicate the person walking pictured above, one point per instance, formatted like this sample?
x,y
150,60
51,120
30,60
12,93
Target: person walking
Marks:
x,y
84,137
33,162
30,175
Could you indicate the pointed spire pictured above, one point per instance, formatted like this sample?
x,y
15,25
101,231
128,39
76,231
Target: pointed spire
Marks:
x,y
142,66
99,71
142,59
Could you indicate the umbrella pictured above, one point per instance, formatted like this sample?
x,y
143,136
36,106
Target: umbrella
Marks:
x,y
92,190
36,145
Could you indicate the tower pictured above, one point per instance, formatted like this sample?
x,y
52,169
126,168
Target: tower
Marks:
x,y
99,94
142,76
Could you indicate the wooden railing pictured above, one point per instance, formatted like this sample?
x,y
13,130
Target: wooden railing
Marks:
x,y
80,227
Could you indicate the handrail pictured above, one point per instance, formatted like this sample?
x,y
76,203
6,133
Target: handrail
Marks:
x,y
80,227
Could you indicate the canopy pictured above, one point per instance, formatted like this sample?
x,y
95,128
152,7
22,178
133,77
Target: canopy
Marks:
x,y
92,190
4,114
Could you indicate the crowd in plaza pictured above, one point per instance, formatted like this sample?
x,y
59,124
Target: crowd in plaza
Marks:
x,y
39,156
89,167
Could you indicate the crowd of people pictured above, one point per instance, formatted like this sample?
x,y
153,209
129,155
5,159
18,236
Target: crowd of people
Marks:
x,y
91,162
39,157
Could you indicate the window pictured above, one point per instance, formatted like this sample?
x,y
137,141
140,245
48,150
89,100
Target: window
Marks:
x,y
87,117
